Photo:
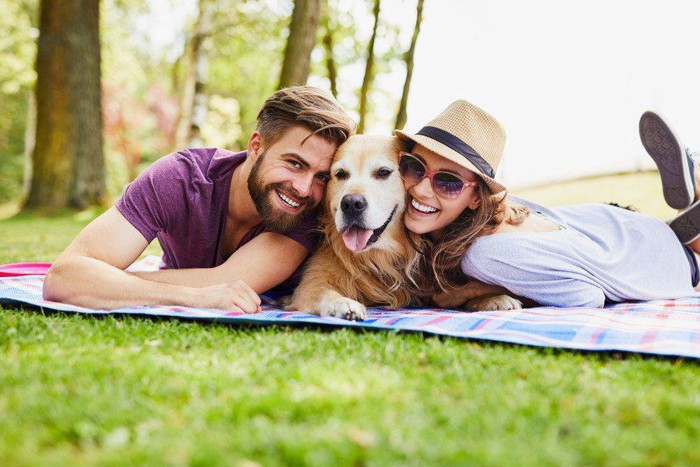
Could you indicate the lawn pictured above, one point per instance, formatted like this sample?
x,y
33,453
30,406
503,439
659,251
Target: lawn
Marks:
x,y
81,390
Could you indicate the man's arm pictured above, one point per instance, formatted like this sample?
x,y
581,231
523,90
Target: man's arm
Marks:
x,y
262,263
90,273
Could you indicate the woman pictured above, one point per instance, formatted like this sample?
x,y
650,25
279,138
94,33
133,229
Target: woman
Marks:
x,y
583,255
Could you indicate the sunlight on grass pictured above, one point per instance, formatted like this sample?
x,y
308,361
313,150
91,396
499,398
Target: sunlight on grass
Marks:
x,y
8,210
80,390
641,190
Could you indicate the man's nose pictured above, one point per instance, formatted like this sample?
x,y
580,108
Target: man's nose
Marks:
x,y
303,185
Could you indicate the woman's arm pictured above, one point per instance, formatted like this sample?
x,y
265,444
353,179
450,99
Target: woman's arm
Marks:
x,y
549,280
472,289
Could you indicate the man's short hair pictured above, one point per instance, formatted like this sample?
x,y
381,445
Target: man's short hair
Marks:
x,y
308,106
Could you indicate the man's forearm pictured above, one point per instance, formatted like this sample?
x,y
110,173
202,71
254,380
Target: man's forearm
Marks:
x,y
195,277
91,283
262,263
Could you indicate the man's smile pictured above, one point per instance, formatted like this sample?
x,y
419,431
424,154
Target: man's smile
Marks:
x,y
288,202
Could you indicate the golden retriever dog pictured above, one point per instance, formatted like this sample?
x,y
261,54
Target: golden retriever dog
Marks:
x,y
367,257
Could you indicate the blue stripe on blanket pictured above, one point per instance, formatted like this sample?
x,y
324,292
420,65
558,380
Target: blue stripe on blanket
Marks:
x,y
663,327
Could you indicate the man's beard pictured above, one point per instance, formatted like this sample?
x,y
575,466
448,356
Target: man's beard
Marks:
x,y
274,218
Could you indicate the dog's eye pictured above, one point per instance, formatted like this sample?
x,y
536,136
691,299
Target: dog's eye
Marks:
x,y
341,174
383,173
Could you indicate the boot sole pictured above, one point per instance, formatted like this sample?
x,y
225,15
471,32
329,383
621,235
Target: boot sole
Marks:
x,y
662,145
687,225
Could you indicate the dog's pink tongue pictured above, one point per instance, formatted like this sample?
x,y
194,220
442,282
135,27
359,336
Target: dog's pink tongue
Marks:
x,y
356,239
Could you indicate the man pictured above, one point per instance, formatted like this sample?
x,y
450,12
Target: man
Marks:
x,y
231,225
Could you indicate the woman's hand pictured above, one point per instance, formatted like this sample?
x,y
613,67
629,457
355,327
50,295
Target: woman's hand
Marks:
x,y
236,296
457,297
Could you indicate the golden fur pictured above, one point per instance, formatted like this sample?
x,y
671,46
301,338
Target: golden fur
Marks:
x,y
339,282
384,274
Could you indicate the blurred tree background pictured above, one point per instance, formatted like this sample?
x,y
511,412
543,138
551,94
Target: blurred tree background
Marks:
x,y
177,73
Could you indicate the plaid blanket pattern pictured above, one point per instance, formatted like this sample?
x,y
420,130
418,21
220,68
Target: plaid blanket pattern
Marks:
x,y
664,327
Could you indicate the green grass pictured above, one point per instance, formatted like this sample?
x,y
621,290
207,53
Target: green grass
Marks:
x,y
641,190
80,390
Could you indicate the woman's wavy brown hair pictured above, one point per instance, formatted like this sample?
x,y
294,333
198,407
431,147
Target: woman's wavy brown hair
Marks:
x,y
442,258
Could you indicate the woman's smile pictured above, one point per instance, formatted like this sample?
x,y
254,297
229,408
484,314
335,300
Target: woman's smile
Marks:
x,y
421,208
427,212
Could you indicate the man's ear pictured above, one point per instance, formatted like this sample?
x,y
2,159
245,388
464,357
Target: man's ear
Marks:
x,y
255,145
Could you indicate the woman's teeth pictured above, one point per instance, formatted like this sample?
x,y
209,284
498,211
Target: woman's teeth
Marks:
x,y
288,201
422,207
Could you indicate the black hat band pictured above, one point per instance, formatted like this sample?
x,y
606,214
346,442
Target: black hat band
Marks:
x,y
459,146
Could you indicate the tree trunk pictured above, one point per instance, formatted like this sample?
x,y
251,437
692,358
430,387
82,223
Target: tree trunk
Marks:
x,y
193,107
401,116
29,142
330,58
68,162
367,80
300,44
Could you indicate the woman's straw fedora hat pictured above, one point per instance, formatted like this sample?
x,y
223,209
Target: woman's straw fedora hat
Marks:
x,y
468,136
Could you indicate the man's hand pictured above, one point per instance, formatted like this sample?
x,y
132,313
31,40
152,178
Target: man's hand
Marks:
x,y
472,289
236,296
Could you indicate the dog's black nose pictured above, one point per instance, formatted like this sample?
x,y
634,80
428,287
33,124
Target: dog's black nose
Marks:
x,y
352,205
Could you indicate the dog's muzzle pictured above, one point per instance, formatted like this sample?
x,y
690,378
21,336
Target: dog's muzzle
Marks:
x,y
357,237
353,206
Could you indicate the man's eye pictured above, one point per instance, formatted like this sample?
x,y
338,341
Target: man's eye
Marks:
x,y
383,173
294,164
323,178
341,175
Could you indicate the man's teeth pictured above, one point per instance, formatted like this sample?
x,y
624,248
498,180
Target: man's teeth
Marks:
x,y
422,207
287,200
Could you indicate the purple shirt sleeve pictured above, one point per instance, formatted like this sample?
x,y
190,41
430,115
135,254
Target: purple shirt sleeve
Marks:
x,y
141,202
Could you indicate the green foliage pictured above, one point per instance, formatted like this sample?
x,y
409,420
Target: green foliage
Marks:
x,y
349,47
222,128
142,77
351,23
11,176
118,175
140,113
17,76
248,39
17,45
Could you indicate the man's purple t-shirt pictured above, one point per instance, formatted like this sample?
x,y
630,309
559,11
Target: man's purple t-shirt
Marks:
x,y
182,199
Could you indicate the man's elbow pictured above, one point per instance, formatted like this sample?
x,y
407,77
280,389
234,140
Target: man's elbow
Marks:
x,y
55,287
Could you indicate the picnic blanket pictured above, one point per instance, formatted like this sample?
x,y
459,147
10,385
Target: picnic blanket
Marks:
x,y
663,327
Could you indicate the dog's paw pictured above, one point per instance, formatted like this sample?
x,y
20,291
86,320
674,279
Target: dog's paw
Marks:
x,y
493,303
346,308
